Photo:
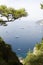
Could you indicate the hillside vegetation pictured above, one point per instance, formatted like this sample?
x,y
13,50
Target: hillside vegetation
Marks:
x,y
35,57
7,56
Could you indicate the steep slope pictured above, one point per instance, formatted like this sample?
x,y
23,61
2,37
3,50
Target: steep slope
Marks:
x,y
7,56
35,57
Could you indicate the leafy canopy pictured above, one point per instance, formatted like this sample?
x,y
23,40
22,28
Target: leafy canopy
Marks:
x,y
5,11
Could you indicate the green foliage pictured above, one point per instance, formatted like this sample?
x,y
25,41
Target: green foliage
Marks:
x,y
7,56
35,59
5,11
39,46
1,20
41,6
11,14
19,13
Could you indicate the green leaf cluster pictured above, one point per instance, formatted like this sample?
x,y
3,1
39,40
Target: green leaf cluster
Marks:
x,y
5,11
35,59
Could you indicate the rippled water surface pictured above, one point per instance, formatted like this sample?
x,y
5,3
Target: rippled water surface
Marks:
x,y
22,35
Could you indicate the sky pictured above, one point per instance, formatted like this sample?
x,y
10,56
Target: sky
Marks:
x,y
31,6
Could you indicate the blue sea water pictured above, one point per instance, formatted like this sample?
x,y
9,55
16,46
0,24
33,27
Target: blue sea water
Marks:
x,y
22,35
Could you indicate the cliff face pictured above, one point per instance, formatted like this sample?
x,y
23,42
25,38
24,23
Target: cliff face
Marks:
x,y
7,56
